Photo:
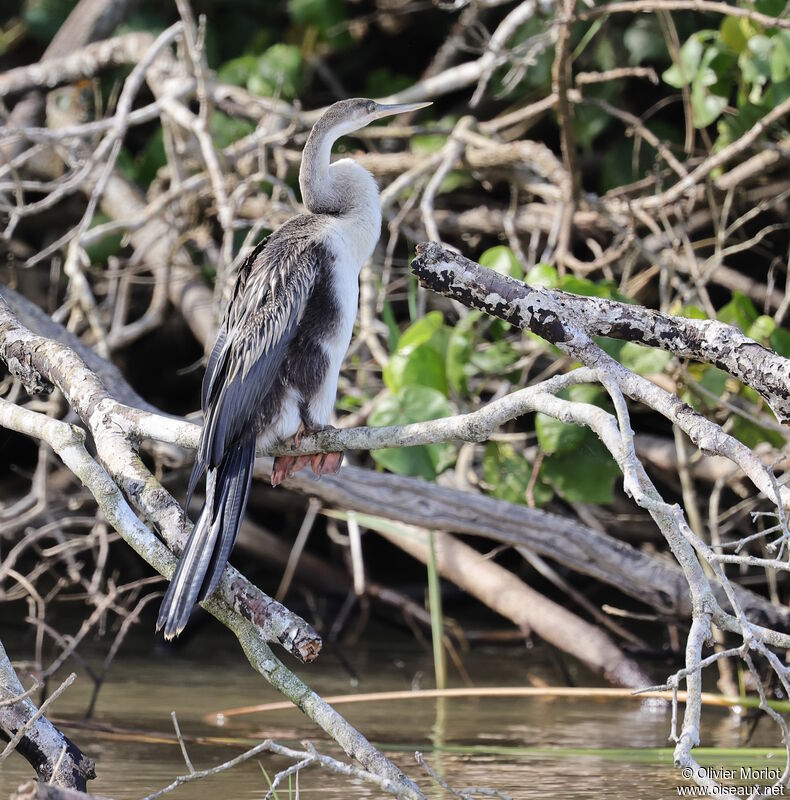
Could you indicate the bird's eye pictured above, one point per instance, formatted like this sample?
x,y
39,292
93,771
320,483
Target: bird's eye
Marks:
x,y
371,107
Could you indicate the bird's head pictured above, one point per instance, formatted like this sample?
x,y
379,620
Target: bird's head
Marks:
x,y
348,116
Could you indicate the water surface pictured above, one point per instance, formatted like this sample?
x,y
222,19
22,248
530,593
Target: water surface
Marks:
x,y
524,747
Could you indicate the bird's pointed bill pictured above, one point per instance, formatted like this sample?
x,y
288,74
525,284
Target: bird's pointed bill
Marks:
x,y
384,110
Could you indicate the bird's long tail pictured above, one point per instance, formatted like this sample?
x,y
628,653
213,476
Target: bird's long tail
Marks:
x,y
207,551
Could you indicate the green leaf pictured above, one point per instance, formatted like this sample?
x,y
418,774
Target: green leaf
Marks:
x,y
323,14
100,251
555,436
644,42
238,71
277,71
752,434
583,475
420,332
682,73
715,381
418,358
643,360
692,312
543,276
428,142
422,366
225,129
588,288
755,61
740,311
152,158
459,349
413,404
780,341
735,33
502,260
590,393
507,473
780,58
773,8
707,107
496,358
761,329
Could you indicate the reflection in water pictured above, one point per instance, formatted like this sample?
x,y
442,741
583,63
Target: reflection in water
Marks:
x,y
516,745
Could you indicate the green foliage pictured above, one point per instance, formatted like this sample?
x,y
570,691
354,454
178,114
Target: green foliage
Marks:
x,y
588,288
741,62
45,17
543,276
428,142
382,82
507,474
503,260
752,434
644,41
555,436
418,358
108,246
225,130
460,343
277,71
413,404
637,357
321,14
761,329
780,341
740,311
583,475
151,159
576,464
497,358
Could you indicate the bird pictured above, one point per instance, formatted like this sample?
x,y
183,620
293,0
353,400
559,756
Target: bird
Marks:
x,y
272,373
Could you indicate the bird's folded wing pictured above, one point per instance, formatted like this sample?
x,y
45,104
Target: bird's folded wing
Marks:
x,y
268,301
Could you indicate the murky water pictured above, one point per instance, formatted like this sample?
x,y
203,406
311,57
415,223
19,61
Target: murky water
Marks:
x,y
524,747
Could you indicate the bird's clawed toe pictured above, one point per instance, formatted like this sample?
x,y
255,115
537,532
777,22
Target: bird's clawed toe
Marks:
x,y
286,466
302,430
326,463
322,463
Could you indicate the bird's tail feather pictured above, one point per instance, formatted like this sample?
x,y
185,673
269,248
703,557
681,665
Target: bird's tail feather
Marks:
x,y
207,551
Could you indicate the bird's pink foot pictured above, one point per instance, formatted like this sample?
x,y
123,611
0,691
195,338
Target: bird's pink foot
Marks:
x,y
323,463
286,466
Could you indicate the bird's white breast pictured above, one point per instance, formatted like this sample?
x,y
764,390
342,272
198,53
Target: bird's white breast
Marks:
x,y
350,240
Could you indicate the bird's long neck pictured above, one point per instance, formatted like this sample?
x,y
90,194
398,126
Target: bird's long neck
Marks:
x,y
326,188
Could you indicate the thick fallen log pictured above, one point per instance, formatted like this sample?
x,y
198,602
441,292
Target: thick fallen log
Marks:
x,y
649,579
509,596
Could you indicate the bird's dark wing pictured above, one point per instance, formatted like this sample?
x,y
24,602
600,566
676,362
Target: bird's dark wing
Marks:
x,y
268,301
242,276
